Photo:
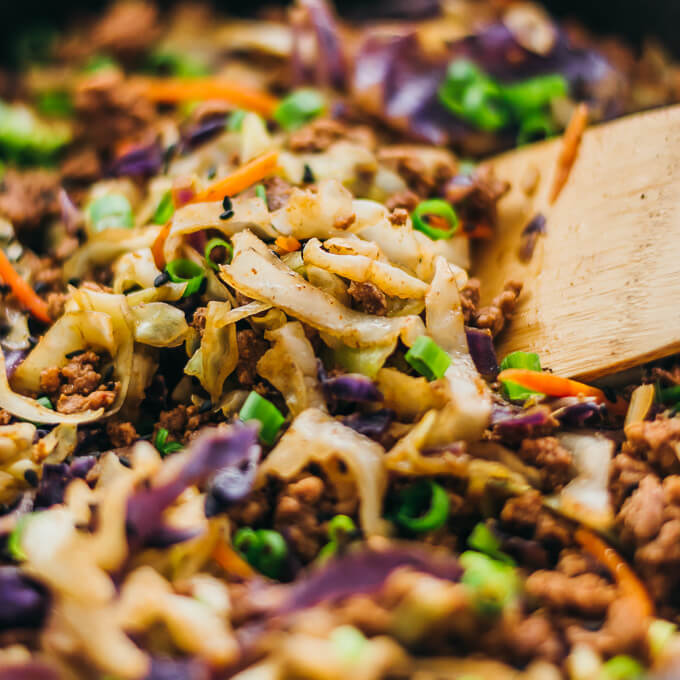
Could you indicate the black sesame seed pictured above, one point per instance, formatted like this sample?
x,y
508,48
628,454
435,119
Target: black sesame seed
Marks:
x,y
74,353
205,406
31,476
74,282
167,157
40,287
226,204
308,175
124,460
161,279
227,215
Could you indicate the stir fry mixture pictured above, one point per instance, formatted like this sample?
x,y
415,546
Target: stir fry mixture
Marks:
x,y
253,424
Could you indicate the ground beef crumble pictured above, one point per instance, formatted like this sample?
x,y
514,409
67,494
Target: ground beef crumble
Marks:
x,y
469,299
251,348
406,200
656,441
78,385
320,134
121,434
369,297
183,422
496,315
27,197
554,462
127,29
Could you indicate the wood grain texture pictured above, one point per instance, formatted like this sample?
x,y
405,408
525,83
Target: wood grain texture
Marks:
x,y
602,291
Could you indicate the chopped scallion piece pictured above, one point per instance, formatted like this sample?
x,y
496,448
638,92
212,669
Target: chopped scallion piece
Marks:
x,y
163,445
177,64
534,94
299,108
235,120
428,358
435,218
483,540
622,667
261,409
186,271
349,644
669,395
112,211
492,584
55,103
526,360
14,539
165,209
99,62
424,506
45,401
534,128
261,192
264,549
217,243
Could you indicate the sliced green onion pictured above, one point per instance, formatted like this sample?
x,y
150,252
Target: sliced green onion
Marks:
x,y
531,95
177,64
235,120
165,209
299,108
622,667
162,444
428,358
535,127
492,584
45,401
349,644
112,211
483,105
659,635
261,409
460,74
55,103
14,539
99,62
264,549
186,271
424,506
272,552
261,192
526,360
217,243
439,209
669,395
483,540
340,526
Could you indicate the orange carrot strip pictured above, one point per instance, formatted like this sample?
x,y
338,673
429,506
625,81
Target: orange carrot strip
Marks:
x,y
570,144
23,292
624,576
287,244
242,178
231,561
174,90
552,385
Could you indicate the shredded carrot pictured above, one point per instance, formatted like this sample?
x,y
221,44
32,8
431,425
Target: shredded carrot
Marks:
x,y
174,90
248,174
624,576
23,292
231,561
570,144
287,244
557,386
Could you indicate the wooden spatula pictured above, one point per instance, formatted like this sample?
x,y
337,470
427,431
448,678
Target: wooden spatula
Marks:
x,y
602,289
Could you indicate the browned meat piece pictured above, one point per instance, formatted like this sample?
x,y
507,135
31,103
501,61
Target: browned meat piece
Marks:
x,y
625,474
251,347
278,192
48,274
656,441
551,458
55,304
585,594
643,512
624,631
297,512
369,297
659,561
469,298
127,29
121,434
317,135
81,166
110,109
476,196
5,417
198,319
408,200
669,376
183,422
423,169
534,638
499,312
78,385
526,515
398,217
28,197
